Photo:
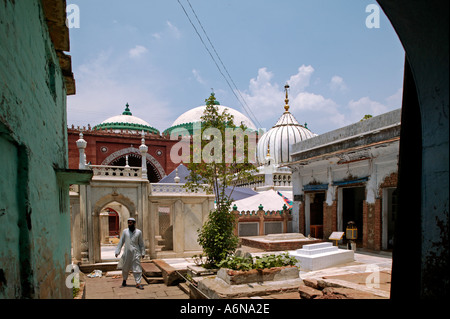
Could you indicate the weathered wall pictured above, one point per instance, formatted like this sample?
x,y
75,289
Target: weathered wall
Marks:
x,y
421,261
35,234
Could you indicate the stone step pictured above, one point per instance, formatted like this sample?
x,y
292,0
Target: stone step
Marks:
x,y
153,280
316,251
317,246
149,269
185,287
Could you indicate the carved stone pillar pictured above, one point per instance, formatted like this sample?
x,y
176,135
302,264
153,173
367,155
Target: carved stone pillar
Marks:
x,y
143,149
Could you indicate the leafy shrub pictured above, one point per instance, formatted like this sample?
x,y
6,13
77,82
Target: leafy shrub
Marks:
x,y
268,261
217,236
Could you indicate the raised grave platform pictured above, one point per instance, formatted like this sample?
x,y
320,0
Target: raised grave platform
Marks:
x,y
322,255
279,242
230,284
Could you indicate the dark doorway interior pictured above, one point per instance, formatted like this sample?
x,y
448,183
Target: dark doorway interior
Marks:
x,y
316,215
113,222
135,161
352,205
392,212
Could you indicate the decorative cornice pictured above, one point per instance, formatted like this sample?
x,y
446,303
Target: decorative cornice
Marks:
x,y
126,126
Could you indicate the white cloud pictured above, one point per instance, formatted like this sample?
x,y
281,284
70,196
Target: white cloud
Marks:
x,y
197,76
102,92
337,84
263,96
137,51
267,101
365,106
173,29
395,100
300,81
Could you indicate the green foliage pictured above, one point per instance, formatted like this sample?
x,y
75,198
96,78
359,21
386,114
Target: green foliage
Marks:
x,y
248,263
237,263
366,117
217,234
75,288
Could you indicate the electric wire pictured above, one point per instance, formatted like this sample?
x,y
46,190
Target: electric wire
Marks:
x,y
223,65
215,62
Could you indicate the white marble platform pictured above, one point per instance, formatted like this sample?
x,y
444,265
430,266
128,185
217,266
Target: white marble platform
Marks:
x,y
322,255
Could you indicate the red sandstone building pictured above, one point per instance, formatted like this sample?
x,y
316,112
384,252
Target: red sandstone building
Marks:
x,y
117,139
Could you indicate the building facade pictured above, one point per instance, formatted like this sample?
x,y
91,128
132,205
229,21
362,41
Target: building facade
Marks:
x,y
349,175
35,78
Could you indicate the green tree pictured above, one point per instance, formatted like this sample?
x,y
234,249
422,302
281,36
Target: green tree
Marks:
x,y
366,117
214,176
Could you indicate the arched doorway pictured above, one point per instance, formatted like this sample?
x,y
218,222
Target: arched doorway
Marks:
x,y
155,170
121,208
135,160
111,224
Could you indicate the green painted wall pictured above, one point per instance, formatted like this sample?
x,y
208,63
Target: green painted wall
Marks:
x,y
34,232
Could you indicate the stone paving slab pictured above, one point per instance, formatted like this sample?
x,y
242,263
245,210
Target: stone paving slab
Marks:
x,y
110,288
216,288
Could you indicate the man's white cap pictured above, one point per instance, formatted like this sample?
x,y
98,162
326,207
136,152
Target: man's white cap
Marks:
x,y
132,219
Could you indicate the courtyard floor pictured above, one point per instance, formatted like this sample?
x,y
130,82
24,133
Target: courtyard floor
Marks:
x,y
353,275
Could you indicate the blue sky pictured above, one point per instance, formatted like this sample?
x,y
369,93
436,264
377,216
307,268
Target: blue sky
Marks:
x,y
147,53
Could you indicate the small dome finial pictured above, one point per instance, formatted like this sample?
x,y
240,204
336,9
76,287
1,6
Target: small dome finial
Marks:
x,y
212,99
177,178
127,110
286,106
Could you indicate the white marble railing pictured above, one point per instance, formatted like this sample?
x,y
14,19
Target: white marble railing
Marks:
x,y
171,189
282,179
116,171
257,181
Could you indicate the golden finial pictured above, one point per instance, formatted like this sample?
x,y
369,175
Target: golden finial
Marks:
x,y
286,107
268,150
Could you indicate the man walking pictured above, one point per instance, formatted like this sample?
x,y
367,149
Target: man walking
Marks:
x,y
134,249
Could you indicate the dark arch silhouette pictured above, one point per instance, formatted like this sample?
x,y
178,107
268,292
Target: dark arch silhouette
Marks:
x,y
421,251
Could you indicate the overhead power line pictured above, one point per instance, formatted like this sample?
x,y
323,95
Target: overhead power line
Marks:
x,y
246,107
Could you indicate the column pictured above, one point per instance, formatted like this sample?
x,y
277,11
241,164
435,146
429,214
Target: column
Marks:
x,y
297,192
81,144
143,149
307,214
83,225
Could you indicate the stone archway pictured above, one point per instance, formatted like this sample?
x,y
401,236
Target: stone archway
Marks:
x,y
420,262
133,195
130,211
159,170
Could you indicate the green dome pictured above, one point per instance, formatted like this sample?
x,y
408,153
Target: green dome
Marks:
x,y
126,121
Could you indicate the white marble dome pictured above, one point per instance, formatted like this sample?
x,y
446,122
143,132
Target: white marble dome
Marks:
x,y
126,121
196,113
279,139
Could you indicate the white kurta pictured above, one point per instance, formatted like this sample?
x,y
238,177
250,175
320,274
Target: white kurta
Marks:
x,y
133,244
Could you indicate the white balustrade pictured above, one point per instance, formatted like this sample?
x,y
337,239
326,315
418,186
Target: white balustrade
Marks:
x,y
172,189
116,171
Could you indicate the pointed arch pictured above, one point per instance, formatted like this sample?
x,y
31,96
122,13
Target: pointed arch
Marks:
x,y
132,150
